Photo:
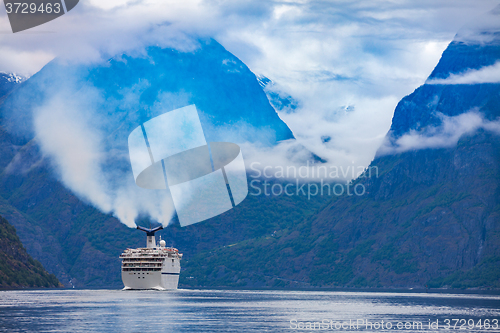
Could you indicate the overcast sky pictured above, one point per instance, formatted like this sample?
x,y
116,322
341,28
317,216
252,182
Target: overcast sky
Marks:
x,y
347,63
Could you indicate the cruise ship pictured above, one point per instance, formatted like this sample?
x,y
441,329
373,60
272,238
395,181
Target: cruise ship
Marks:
x,y
152,267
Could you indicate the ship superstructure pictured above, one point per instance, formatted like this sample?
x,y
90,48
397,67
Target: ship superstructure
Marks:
x,y
153,267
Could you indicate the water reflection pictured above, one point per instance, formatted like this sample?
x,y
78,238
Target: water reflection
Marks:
x,y
237,311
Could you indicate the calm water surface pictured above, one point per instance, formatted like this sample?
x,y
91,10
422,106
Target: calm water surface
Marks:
x,y
244,311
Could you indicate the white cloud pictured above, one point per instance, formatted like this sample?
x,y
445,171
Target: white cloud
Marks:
x,y
445,135
487,74
74,136
361,55
66,135
479,30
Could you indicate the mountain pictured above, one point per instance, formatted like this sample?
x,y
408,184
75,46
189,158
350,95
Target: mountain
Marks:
x,y
8,81
426,105
76,241
17,268
430,216
81,245
132,89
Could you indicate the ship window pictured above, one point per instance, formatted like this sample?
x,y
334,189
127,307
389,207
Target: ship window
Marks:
x,y
172,260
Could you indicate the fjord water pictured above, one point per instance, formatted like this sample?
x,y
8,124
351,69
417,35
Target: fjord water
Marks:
x,y
239,311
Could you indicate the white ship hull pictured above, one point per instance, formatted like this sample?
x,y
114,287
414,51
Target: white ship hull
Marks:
x,y
150,280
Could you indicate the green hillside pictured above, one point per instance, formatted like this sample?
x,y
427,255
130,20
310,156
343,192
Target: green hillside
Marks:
x,y
430,218
17,268
437,226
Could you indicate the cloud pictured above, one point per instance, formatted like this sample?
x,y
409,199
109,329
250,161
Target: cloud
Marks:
x,y
347,64
89,160
65,134
487,74
482,29
445,135
97,30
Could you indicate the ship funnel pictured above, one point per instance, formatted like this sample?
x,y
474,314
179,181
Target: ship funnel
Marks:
x,y
151,242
